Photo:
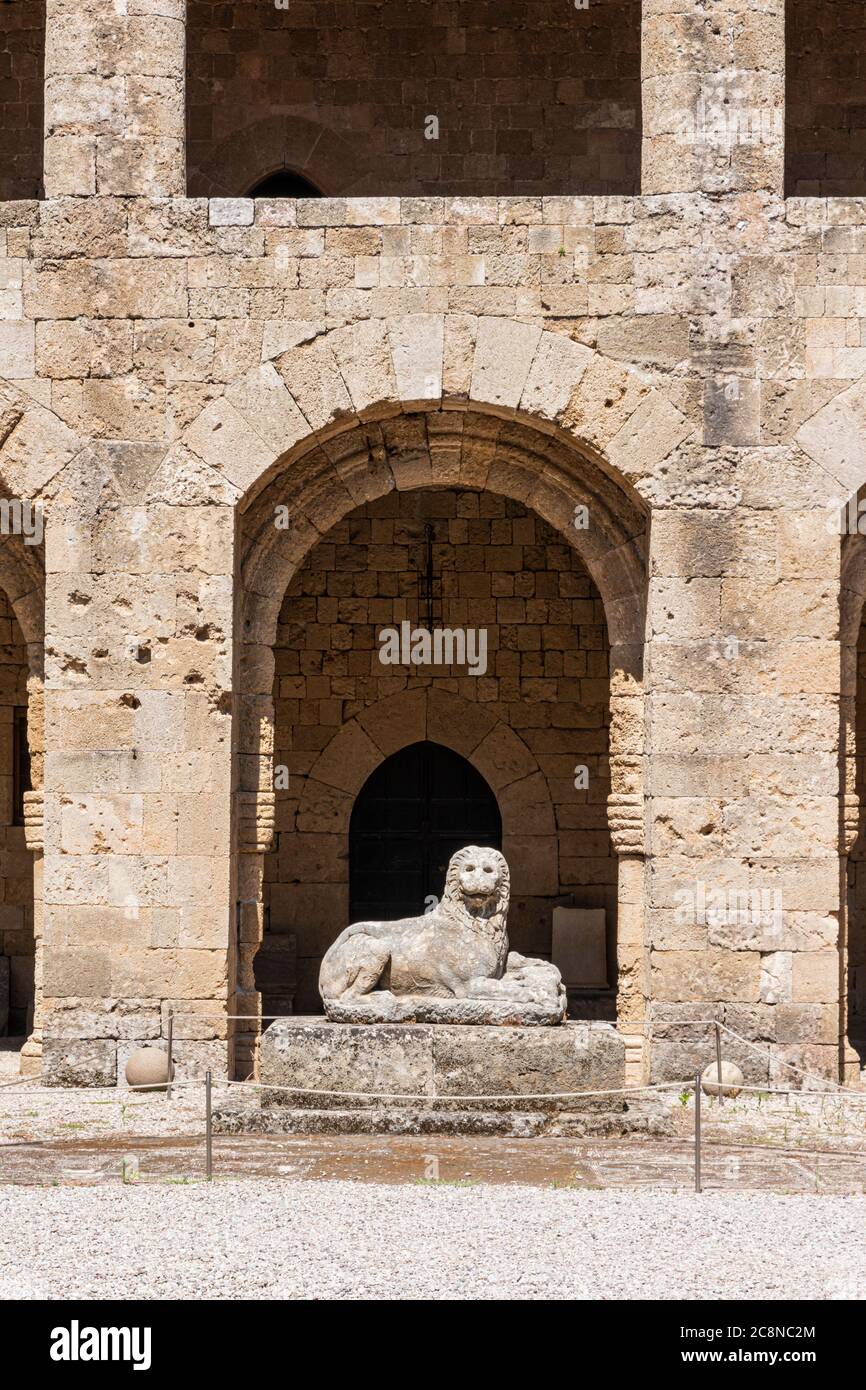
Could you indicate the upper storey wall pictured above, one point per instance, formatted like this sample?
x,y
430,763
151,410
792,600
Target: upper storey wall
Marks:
x,y
22,46
523,108
479,97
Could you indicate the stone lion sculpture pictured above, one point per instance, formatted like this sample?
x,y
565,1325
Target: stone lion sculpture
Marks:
x,y
450,965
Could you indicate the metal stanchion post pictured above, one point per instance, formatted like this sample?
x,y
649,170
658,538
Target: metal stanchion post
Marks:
x,y
719,1062
170,1037
209,1127
698,1132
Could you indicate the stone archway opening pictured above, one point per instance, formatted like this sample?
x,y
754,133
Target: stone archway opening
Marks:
x,y
532,719
417,808
555,724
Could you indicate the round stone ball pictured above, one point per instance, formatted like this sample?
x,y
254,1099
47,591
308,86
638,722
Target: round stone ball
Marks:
x,y
148,1066
732,1079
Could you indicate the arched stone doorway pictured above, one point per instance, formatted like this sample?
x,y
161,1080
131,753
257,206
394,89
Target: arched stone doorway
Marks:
x,y
541,714
416,810
438,400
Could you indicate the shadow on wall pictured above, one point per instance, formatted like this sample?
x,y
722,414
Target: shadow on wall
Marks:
x,y
17,948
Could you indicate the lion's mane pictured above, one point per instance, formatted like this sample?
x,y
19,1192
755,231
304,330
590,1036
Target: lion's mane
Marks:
x,y
453,902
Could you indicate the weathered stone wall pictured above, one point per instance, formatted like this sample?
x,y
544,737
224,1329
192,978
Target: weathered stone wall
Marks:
x,y
825,153
16,863
498,568
531,96
22,48
172,368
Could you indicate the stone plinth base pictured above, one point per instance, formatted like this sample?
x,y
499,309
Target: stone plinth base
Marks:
x,y
433,1078
384,1007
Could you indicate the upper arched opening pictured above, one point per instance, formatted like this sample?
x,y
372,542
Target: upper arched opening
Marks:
x,y
285,183
380,97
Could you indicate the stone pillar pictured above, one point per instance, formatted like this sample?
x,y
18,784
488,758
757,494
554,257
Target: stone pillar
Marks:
x,y
255,826
114,97
140,886
626,818
713,96
34,835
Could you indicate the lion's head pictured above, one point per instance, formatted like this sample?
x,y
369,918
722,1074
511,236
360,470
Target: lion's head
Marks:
x,y
478,884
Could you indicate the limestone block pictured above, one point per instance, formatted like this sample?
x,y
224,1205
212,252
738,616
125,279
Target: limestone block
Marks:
x,y
348,760
776,977
231,212
709,975
815,977
17,351
417,352
101,825
393,723
502,758
69,1062
504,352
262,399
313,377
556,371
136,167
363,352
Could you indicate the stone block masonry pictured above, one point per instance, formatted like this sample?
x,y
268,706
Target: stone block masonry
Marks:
x,y
684,365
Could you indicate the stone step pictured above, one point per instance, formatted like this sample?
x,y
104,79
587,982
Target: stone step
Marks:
x,y
511,1124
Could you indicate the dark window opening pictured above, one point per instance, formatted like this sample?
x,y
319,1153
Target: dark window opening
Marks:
x,y
416,810
825,99
285,184
386,98
21,777
22,58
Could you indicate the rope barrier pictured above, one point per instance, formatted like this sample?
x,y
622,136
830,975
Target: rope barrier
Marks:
x,y
780,1061
61,1091
401,1095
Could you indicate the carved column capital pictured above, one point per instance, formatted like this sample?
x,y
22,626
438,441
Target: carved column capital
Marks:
x,y
34,820
256,821
850,819
625,814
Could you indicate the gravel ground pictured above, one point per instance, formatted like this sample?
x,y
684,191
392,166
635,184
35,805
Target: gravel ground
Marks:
x,y
311,1240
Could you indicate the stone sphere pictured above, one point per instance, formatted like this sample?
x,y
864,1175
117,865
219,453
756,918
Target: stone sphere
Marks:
x,y
148,1066
732,1079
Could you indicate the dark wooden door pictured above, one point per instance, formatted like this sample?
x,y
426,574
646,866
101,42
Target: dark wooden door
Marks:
x,y
410,816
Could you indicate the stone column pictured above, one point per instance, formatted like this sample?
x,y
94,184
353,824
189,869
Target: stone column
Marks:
x,y
255,826
713,96
626,818
114,97
34,835
140,885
